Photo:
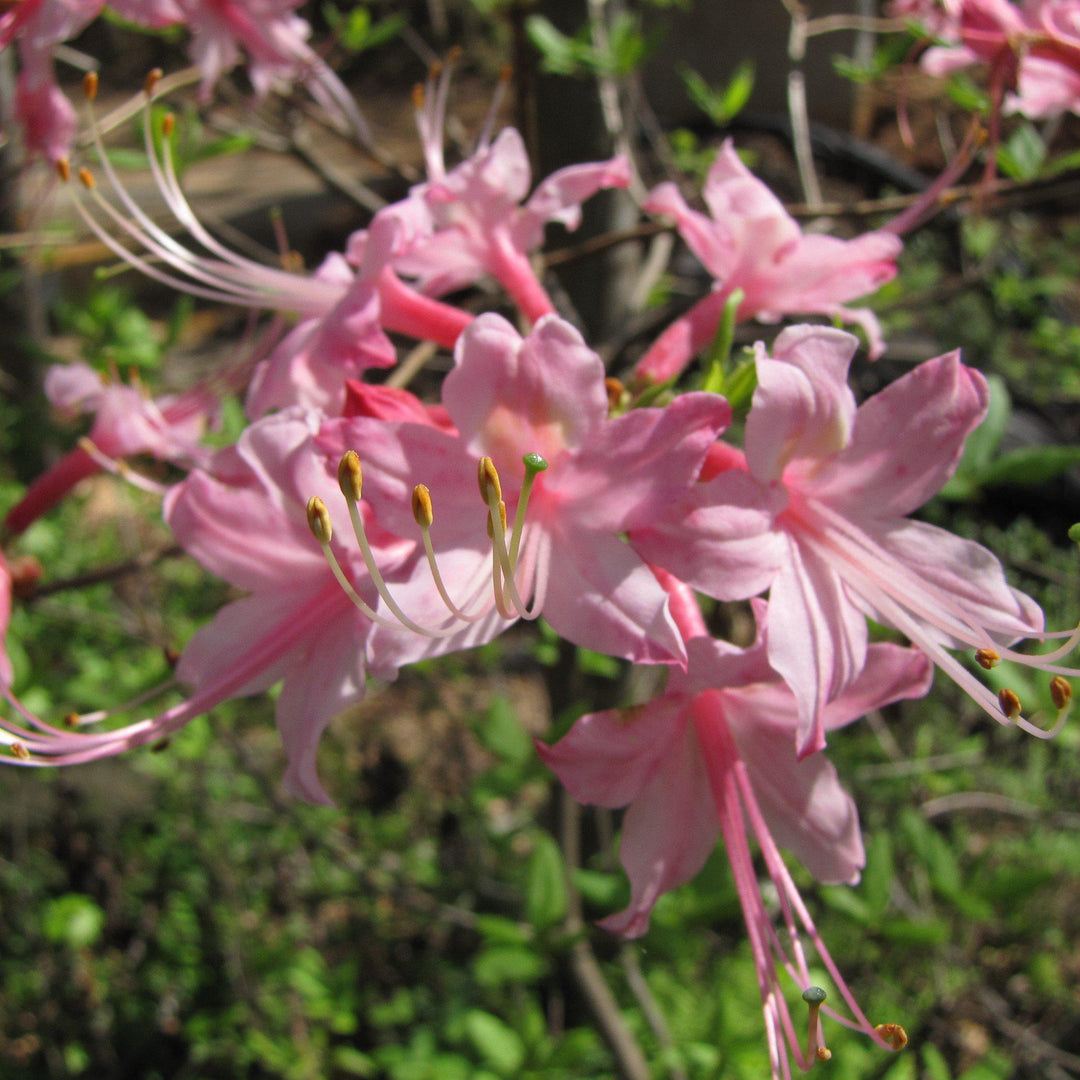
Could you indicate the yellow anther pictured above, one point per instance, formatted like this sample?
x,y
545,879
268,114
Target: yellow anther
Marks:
x,y
616,393
502,518
1061,692
435,70
63,169
418,96
421,506
318,519
71,720
153,77
988,658
824,1053
20,751
506,73
168,125
86,177
1009,702
454,54
90,85
893,1034
488,479
350,476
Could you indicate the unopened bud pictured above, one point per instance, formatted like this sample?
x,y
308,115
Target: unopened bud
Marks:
x,y
153,77
318,519
1009,702
488,479
86,178
90,85
893,1034
421,506
988,658
350,476
1061,692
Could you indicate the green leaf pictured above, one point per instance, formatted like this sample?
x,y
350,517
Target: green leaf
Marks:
x,y
495,1041
545,887
601,889
501,733
73,920
721,104
1022,157
503,965
1032,465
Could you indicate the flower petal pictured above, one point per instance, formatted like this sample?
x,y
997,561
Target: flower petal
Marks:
x,y
906,441
802,407
602,596
817,639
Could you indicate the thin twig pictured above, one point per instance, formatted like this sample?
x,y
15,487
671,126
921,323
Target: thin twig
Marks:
x,y
650,1007
586,969
106,573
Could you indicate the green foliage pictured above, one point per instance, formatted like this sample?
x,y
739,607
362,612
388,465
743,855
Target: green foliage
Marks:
x,y
720,104
626,47
358,30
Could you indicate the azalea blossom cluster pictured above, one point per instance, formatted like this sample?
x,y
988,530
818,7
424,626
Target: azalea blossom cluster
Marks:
x,y
1031,50
267,32
369,528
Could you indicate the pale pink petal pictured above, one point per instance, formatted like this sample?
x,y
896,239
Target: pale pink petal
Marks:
x,y
240,535
509,397
721,537
633,469
963,574
607,758
802,406
709,240
323,679
667,834
906,441
559,197
817,639
213,651
73,388
806,809
602,596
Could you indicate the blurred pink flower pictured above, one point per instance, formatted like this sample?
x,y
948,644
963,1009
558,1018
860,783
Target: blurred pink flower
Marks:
x,y
273,38
479,223
713,756
127,422
45,114
817,513
750,242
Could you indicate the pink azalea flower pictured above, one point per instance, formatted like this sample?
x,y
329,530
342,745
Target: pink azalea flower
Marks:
x,y
273,38
245,520
560,550
127,422
750,242
45,114
712,756
817,512
480,224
